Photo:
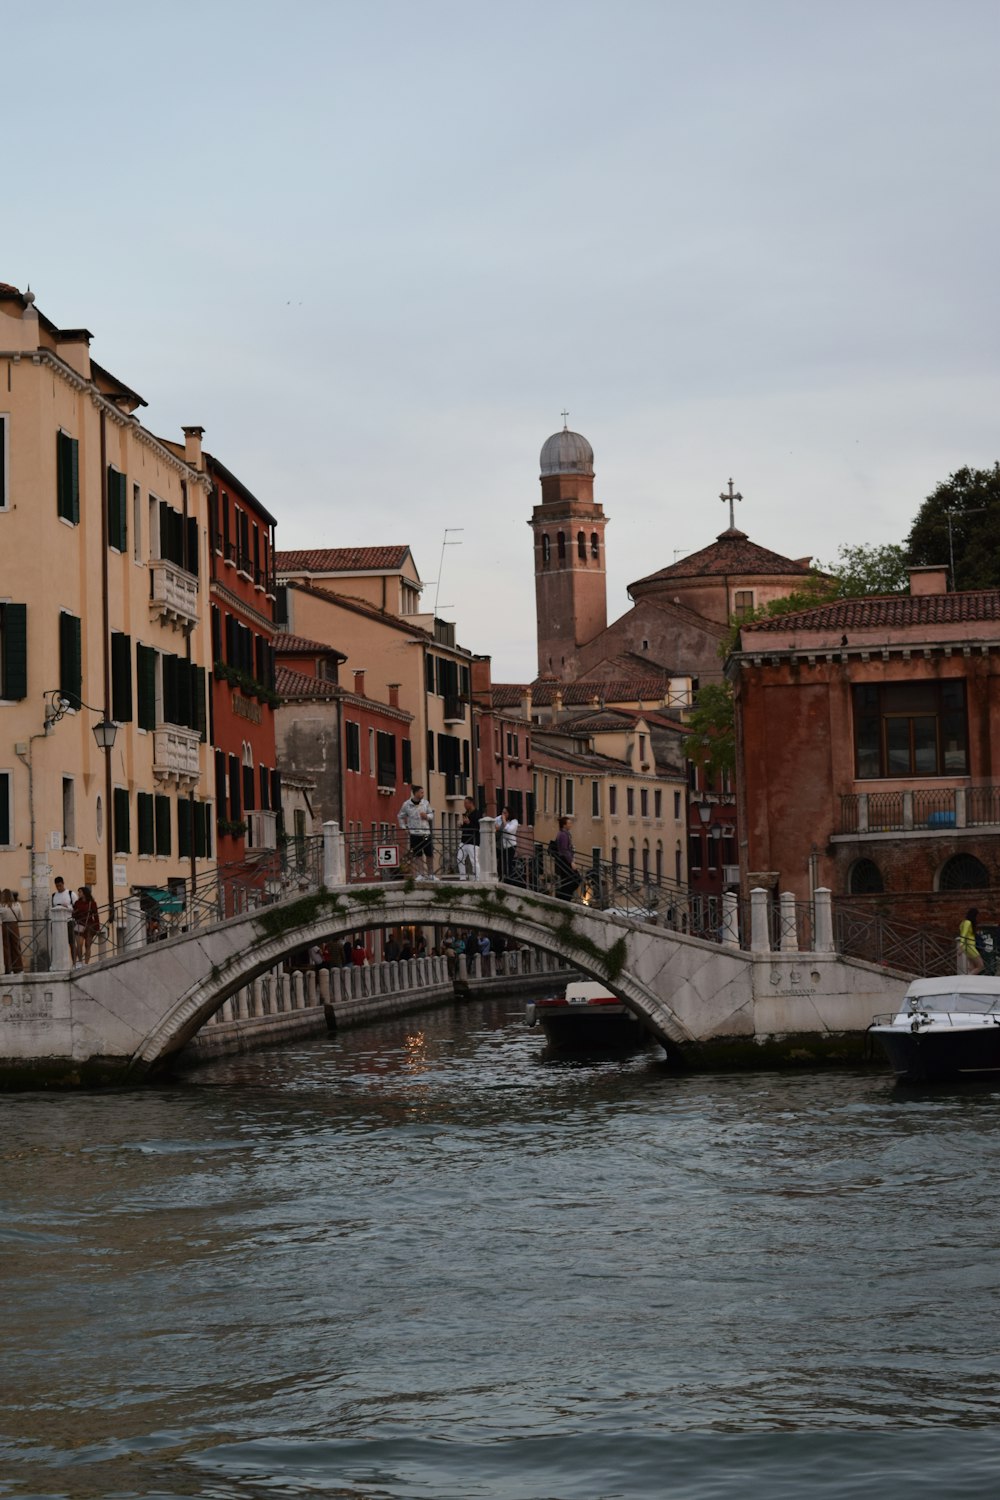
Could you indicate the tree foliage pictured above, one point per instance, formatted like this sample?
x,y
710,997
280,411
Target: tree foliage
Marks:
x,y
866,569
970,501
711,742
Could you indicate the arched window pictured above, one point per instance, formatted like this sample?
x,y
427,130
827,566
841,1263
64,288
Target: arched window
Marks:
x,y
865,878
963,872
561,545
546,550
678,857
581,546
659,859
645,859
614,860
595,545
631,859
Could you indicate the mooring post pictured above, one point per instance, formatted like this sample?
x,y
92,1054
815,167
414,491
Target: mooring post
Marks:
x,y
333,855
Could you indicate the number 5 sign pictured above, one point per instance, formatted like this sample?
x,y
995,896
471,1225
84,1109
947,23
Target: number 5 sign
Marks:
x,y
387,856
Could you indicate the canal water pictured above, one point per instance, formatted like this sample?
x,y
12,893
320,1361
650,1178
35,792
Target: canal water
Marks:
x,y
419,1261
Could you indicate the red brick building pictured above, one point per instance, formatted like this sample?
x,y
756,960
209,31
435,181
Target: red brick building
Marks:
x,y
868,749
242,591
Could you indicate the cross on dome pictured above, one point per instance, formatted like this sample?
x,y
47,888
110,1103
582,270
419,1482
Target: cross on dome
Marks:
x,y
731,498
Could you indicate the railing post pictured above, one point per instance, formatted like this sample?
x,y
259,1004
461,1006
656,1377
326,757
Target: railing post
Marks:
x,y
730,919
862,812
823,920
59,959
907,812
135,924
333,855
487,851
789,933
760,939
961,811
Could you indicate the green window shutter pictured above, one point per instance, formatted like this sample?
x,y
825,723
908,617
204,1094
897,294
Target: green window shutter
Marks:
x,y
68,477
170,692
5,780
122,838
198,722
121,678
183,828
144,819
70,658
162,819
145,676
200,829
220,782
192,545
14,643
117,511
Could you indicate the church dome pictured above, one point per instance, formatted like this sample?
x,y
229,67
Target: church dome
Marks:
x,y
567,452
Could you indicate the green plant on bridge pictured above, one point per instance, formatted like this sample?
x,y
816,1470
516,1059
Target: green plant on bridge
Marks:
x,y
276,921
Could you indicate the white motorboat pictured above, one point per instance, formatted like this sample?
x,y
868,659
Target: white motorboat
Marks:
x,y
945,1028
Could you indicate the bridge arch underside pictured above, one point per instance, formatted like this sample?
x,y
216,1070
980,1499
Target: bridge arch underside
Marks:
x,y
613,951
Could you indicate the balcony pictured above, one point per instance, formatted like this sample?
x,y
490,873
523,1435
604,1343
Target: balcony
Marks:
x,y
456,785
262,829
176,755
923,810
173,595
454,709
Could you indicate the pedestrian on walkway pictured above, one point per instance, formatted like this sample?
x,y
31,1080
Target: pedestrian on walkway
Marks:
x,y
507,832
468,842
416,817
967,945
567,876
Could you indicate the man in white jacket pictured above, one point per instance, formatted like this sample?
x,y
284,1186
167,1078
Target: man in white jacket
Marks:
x,y
416,817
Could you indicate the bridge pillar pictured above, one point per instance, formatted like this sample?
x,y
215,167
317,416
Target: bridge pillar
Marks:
x,y
760,938
487,851
59,959
730,919
135,924
789,932
334,865
823,920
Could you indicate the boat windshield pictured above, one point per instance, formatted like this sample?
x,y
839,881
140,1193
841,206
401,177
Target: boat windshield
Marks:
x,y
975,1005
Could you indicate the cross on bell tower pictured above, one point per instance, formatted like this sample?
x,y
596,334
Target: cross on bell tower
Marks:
x,y
731,497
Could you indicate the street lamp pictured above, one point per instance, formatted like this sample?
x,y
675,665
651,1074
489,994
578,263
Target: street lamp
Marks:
x,y
704,811
57,706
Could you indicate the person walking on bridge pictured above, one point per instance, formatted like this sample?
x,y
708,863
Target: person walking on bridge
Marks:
x,y
468,842
416,817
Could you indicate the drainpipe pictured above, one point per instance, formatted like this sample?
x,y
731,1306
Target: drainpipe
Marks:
x,y
109,818
187,652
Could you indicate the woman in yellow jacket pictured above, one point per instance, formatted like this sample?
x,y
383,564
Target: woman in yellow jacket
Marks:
x,y
967,942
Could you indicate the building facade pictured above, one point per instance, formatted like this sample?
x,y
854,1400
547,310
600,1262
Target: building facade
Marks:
x,y
867,748
103,618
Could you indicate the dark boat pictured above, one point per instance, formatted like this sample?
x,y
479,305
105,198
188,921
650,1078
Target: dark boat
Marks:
x,y
946,1028
587,1017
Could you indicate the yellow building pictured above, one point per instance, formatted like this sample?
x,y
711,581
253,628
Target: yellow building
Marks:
x,y
364,608
103,619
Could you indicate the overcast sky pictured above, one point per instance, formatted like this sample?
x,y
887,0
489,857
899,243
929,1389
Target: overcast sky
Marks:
x,y
376,248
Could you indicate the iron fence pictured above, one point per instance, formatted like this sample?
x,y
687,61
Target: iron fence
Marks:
x,y
898,945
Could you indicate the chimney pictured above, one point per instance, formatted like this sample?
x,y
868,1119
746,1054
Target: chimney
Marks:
x,y
359,681
557,703
526,704
932,580
192,446
394,695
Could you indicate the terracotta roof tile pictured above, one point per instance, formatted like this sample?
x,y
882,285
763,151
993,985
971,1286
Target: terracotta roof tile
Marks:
x,y
889,611
731,552
299,645
340,559
614,690
297,686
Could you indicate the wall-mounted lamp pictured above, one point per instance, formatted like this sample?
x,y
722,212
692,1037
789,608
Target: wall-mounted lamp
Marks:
x,y
57,705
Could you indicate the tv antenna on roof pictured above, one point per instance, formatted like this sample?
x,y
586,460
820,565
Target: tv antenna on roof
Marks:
x,y
444,543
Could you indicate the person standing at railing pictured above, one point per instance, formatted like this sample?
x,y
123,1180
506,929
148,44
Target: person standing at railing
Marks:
x,y
507,830
567,877
62,910
468,842
416,817
86,923
10,961
967,945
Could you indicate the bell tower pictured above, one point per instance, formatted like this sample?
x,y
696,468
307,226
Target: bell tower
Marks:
x,y
568,530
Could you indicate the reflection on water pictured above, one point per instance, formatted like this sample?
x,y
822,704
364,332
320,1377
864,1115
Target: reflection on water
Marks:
x,y
419,1260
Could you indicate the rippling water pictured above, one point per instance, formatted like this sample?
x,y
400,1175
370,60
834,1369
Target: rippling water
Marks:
x,y
418,1261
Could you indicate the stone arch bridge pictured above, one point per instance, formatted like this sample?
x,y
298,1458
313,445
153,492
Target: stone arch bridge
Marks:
x,y
126,1015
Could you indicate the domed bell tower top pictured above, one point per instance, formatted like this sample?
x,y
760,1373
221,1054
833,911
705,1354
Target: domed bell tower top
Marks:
x,y
568,527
